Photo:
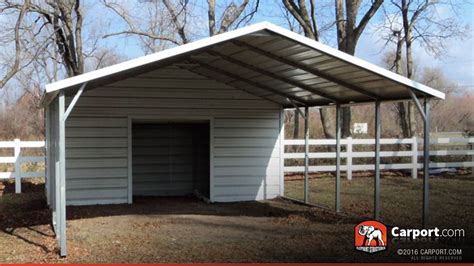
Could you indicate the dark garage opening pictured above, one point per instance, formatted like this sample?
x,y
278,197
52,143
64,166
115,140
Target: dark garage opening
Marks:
x,y
170,159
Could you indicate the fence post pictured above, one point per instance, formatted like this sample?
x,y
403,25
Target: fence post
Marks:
x,y
414,157
349,158
472,157
17,166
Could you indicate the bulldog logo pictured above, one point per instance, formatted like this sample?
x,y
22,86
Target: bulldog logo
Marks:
x,y
370,236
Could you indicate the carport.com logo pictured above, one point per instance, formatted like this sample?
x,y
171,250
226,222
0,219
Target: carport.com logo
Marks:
x,y
370,236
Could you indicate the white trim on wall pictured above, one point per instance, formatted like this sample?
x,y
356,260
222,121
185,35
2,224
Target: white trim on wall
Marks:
x,y
129,161
282,152
211,159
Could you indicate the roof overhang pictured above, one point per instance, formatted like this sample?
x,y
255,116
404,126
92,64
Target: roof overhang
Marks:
x,y
270,62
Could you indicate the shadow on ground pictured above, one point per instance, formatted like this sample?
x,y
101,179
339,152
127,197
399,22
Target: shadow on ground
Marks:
x,y
25,218
29,208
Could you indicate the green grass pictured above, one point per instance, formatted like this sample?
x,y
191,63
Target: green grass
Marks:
x,y
401,199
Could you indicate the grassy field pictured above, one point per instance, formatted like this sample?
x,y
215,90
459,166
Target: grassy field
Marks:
x,y
451,199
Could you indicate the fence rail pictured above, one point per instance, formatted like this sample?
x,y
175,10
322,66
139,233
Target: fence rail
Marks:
x,y
349,154
18,160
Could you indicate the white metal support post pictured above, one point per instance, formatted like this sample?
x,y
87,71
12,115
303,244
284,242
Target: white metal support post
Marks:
x,y
57,172
426,161
62,176
63,114
472,159
338,158
414,157
377,162
306,154
17,166
425,114
48,155
129,163
349,158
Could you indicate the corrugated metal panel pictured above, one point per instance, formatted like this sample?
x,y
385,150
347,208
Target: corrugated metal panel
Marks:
x,y
170,159
246,151
299,54
246,164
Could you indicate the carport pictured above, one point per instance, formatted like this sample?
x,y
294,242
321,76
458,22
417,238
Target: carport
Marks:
x,y
239,83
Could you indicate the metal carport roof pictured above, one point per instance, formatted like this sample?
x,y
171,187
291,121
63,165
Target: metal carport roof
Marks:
x,y
270,62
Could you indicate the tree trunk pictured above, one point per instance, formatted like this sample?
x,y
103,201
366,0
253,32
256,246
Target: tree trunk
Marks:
x,y
411,117
345,43
409,62
328,129
346,122
402,116
296,124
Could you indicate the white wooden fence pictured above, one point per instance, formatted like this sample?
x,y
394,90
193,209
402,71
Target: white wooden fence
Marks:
x,y
18,160
349,154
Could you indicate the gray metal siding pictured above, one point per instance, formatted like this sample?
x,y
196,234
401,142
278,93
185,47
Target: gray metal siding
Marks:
x,y
246,158
246,135
165,161
96,160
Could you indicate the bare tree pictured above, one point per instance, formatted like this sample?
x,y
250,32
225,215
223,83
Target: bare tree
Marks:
x,y
349,29
455,113
157,23
417,21
170,22
64,19
49,44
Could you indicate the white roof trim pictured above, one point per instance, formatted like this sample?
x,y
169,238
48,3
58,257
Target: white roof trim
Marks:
x,y
144,60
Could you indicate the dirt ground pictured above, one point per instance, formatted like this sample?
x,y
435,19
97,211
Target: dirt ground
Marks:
x,y
154,230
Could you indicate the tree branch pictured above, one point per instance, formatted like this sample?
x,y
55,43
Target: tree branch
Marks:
x,y
174,17
250,15
368,15
141,33
211,14
231,14
299,15
16,63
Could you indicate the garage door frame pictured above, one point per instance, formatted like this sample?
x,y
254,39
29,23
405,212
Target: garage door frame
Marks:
x,y
165,119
